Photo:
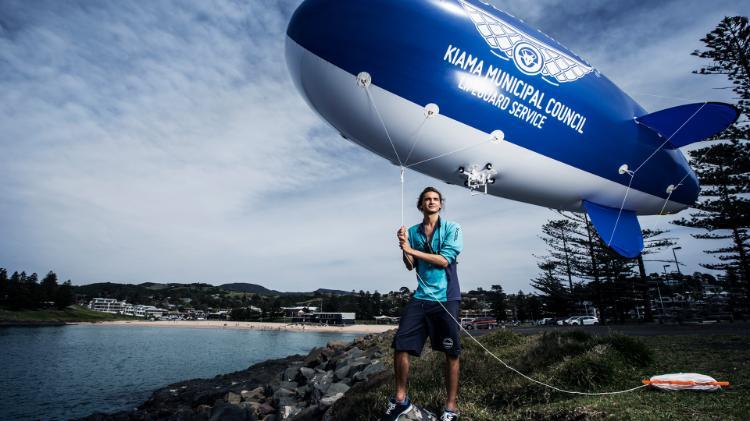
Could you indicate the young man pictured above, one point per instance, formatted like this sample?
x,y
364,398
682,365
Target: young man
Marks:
x,y
431,248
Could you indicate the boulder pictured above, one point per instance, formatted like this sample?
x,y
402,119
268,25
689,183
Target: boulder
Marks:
x,y
253,406
284,395
342,373
290,374
227,412
336,388
317,356
288,411
266,409
359,364
302,391
337,345
256,394
374,368
329,400
321,380
355,353
203,409
288,385
233,398
307,373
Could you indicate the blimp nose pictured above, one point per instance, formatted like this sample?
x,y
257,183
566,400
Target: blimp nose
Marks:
x,y
308,23
308,32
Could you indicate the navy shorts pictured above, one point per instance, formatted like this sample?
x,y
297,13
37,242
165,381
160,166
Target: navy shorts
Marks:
x,y
428,318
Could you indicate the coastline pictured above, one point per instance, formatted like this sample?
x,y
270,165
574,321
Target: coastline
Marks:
x,y
31,323
221,324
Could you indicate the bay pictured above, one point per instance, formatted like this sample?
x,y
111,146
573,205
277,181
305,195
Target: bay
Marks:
x,y
57,373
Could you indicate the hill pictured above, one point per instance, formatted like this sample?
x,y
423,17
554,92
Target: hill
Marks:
x,y
249,288
326,291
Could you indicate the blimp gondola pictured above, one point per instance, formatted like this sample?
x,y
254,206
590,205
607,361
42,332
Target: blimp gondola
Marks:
x,y
465,93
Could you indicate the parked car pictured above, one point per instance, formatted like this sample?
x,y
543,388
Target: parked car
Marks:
x,y
465,321
570,320
482,323
557,321
585,321
544,321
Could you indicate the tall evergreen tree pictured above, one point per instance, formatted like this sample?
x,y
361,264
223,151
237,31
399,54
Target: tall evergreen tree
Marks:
x,y
3,286
724,167
497,300
577,252
64,296
653,243
49,287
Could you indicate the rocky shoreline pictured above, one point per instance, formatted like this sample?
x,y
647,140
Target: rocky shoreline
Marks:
x,y
294,388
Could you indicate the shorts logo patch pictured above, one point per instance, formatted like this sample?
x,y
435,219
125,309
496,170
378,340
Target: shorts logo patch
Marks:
x,y
447,343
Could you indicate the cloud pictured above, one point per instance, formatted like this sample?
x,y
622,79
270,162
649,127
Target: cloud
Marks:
x,y
163,141
148,127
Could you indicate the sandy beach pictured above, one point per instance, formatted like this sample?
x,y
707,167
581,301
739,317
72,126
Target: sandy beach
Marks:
x,y
220,324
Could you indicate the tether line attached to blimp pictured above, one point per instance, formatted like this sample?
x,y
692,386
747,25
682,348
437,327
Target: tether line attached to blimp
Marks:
x,y
632,174
687,173
402,168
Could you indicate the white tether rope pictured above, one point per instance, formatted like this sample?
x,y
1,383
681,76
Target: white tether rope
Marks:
x,y
632,174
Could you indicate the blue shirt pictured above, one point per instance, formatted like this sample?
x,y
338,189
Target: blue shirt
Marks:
x,y
438,283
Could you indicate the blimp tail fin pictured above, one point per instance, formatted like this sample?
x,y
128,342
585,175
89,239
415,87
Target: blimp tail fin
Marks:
x,y
620,230
690,123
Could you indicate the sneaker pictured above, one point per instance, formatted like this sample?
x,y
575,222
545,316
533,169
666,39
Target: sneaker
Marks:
x,y
396,409
449,416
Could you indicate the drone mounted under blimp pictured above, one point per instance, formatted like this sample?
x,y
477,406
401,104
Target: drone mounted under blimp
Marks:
x,y
465,93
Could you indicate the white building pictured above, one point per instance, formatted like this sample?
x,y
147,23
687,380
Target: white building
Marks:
x,y
148,311
298,311
107,305
110,305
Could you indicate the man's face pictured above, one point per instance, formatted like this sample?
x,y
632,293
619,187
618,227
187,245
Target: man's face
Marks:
x,y
431,203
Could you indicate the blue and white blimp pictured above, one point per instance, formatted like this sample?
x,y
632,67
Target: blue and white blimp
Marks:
x,y
465,93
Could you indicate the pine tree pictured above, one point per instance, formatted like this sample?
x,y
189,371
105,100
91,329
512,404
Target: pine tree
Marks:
x,y
3,286
724,168
64,296
653,243
49,287
497,300
577,252
556,297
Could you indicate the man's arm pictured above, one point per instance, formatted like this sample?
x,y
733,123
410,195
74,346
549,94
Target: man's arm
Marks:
x,y
434,259
409,261
403,239
410,254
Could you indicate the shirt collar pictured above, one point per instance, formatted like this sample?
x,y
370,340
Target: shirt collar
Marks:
x,y
438,225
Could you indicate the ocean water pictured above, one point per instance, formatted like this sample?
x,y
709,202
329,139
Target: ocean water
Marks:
x,y
58,373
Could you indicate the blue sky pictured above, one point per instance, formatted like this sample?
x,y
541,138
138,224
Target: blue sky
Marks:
x,y
163,141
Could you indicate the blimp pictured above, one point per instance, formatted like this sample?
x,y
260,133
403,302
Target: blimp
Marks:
x,y
465,93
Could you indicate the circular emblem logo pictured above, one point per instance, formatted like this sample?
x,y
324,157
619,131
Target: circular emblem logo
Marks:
x,y
528,58
447,343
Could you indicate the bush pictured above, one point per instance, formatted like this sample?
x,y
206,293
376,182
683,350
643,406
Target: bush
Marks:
x,y
552,347
631,349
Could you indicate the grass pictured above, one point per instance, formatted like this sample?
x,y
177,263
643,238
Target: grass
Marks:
x,y
575,361
71,314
